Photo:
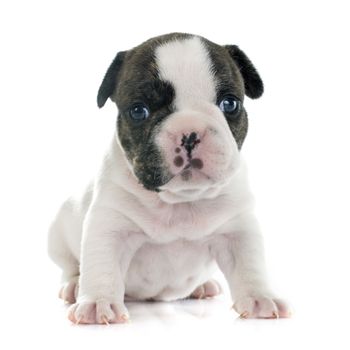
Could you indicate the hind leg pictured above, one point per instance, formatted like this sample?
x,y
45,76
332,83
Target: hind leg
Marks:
x,y
63,237
208,289
69,290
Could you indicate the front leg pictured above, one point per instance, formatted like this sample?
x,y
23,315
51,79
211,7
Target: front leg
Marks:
x,y
240,256
106,251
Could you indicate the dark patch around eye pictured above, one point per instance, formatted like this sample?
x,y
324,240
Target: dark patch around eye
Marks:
x,y
156,94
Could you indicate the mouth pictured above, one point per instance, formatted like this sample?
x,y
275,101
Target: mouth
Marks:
x,y
188,185
190,180
190,171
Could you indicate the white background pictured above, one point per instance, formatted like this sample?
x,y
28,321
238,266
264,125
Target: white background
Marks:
x,y
52,135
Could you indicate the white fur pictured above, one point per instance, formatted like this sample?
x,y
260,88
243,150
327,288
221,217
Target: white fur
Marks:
x,y
125,240
186,64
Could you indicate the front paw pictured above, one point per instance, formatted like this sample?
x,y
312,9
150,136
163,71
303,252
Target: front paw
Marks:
x,y
261,306
98,312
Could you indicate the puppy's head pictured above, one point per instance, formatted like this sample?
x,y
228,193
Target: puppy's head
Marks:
x,y
181,119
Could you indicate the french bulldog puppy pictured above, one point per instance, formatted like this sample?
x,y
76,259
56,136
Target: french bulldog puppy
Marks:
x,y
170,202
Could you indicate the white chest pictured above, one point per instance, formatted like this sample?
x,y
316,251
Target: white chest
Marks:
x,y
190,221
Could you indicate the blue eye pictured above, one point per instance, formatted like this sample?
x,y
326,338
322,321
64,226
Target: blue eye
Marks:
x,y
139,112
230,106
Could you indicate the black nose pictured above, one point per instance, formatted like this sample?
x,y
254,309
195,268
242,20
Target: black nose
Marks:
x,y
189,142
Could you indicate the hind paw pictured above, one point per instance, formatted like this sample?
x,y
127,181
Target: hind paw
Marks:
x,y
208,289
69,290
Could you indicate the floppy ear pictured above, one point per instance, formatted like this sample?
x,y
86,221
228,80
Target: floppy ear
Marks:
x,y
110,79
253,84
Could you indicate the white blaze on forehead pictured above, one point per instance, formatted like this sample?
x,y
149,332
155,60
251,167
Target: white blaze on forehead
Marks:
x,y
186,64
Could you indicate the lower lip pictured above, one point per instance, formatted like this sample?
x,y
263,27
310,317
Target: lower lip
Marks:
x,y
186,174
193,176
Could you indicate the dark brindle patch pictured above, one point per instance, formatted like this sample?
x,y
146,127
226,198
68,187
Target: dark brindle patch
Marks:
x,y
139,82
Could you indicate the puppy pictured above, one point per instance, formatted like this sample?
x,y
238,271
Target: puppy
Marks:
x,y
171,201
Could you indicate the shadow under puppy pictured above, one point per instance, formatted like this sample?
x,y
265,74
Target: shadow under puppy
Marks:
x,y
171,201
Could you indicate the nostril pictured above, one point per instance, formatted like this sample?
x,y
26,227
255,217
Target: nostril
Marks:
x,y
192,137
183,140
189,142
